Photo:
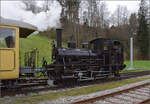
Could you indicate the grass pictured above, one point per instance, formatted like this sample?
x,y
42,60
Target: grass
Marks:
x,y
77,92
138,65
143,64
35,41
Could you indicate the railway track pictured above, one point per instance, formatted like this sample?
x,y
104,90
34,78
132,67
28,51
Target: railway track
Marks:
x,y
37,87
138,94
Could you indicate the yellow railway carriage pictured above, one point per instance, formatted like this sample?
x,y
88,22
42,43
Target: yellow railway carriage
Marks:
x,y
10,32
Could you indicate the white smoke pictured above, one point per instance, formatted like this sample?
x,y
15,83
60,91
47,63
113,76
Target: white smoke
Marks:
x,y
42,20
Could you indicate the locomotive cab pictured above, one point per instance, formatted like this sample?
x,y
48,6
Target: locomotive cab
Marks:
x,y
112,52
97,45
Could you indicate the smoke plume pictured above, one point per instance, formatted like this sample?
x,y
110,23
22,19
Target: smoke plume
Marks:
x,y
41,19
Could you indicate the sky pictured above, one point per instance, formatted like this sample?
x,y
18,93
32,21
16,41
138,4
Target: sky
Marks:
x,y
11,9
132,5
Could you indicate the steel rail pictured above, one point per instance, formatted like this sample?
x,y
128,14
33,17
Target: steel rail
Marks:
x,y
146,101
91,100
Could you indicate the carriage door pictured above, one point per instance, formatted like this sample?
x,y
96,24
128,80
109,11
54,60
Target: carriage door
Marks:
x,y
7,48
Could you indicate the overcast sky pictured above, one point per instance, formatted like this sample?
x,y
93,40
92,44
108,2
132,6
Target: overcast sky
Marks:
x,y
11,9
132,5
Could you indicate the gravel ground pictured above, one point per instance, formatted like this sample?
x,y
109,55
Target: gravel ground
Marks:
x,y
69,99
128,97
134,95
103,102
9,99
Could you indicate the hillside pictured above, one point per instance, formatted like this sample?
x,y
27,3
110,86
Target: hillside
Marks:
x,y
42,43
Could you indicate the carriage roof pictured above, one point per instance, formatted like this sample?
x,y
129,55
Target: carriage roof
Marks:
x,y
25,28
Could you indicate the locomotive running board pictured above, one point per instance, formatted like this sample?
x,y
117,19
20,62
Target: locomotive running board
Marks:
x,y
86,79
31,70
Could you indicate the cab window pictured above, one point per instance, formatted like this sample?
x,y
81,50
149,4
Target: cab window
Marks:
x,y
91,46
7,38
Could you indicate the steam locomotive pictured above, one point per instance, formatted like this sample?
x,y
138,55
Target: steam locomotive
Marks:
x,y
99,58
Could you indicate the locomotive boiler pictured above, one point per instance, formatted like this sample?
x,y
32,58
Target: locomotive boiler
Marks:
x,y
99,58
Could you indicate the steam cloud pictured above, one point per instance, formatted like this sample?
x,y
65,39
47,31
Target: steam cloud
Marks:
x,y
43,20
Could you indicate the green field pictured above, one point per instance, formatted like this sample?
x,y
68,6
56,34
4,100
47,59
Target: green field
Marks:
x,y
141,64
138,65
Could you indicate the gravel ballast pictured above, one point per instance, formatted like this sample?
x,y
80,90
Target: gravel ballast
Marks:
x,y
69,99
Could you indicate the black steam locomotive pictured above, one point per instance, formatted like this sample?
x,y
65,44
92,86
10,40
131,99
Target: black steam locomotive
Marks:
x,y
99,58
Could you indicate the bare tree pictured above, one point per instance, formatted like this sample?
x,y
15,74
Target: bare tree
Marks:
x,y
112,19
133,23
121,15
125,15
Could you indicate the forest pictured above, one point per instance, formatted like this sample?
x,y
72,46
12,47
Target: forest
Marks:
x,y
83,20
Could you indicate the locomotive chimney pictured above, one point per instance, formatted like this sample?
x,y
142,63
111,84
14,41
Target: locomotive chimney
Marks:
x,y
59,37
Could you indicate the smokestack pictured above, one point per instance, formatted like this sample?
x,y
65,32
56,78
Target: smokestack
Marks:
x,y
59,37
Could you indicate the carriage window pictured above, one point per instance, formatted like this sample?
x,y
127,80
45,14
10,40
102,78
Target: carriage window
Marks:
x,y
7,38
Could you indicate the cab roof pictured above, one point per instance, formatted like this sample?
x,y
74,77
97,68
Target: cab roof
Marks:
x,y
98,39
25,29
